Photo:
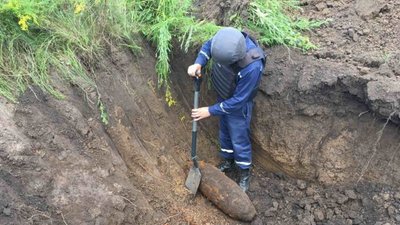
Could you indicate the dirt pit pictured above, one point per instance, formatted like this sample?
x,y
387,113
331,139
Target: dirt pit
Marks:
x,y
325,135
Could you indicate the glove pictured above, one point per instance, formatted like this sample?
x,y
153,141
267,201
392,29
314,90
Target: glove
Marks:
x,y
194,70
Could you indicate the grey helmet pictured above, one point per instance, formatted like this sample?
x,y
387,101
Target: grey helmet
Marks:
x,y
228,46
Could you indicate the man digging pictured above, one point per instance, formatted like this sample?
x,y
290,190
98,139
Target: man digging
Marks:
x,y
238,63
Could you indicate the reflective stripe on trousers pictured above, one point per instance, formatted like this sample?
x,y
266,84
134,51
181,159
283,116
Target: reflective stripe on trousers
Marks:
x,y
234,136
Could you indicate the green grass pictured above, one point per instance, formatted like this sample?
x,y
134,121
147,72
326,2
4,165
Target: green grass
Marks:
x,y
55,38
270,19
164,20
63,38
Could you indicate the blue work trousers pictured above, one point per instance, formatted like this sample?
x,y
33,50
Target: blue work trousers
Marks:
x,y
234,136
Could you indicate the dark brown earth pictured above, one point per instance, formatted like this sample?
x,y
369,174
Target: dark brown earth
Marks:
x,y
60,165
325,134
335,103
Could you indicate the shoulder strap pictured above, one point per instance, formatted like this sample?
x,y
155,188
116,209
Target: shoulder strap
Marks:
x,y
252,55
253,40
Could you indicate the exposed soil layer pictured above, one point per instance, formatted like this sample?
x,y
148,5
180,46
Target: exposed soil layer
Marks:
x,y
334,112
329,117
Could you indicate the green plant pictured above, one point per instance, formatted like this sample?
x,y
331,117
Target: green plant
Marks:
x,y
59,37
386,56
103,112
269,19
168,97
39,35
163,20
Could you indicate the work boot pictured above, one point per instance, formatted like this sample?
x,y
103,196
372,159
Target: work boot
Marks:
x,y
244,182
226,165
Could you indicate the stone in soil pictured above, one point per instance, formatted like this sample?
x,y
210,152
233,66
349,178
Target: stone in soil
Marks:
x,y
310,191
368,9
7,211
351,194
397,196
301,184
385,196
391,210
341,199
319,215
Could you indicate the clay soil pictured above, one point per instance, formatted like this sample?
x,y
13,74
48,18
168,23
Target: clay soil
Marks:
x,y
319,156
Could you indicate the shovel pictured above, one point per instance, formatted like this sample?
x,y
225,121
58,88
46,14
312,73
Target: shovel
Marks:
x,y
194,177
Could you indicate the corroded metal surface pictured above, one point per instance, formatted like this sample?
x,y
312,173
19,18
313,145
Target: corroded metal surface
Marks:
x,y
225,193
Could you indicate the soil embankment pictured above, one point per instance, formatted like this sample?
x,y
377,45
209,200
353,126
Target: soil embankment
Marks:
x,y
60,165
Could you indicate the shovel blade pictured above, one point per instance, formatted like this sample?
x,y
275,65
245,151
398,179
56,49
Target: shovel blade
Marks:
x,y
193,180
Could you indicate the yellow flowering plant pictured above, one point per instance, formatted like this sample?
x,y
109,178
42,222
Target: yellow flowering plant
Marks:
x,y
79,7
23,22
168,98
25,11
40,36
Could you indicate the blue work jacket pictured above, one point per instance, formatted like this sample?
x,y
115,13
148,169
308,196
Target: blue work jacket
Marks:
x,y
248,79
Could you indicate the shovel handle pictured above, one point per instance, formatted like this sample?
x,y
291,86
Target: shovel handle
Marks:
x,y
197,83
